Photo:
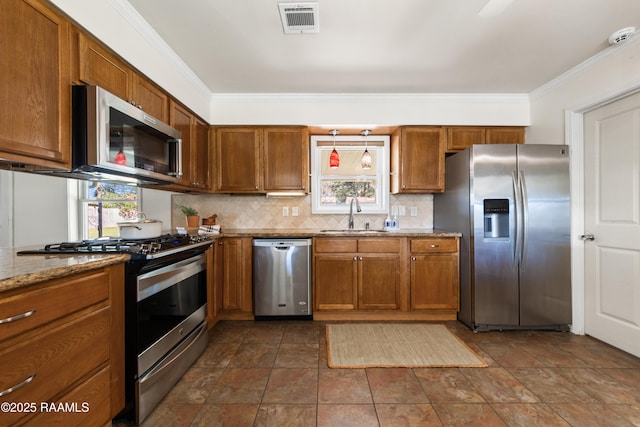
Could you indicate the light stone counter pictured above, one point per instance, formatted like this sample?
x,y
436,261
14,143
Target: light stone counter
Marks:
x,y
23,270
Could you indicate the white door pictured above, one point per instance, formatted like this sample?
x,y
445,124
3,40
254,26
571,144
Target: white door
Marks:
x,y
612,218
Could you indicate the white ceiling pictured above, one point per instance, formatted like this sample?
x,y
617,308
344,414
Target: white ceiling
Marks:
x,y
375,46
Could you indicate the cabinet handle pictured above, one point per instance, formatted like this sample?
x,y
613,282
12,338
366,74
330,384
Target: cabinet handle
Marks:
x,y
359,258
18,317
435,246
355,258
413,258
17,386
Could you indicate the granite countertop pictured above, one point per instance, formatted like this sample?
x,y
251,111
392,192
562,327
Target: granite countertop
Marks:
x,y
17,271
284,232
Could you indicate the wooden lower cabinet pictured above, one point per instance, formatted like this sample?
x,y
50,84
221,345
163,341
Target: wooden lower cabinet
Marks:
x,y
379,282
434,274
357,274
69,350
386,278
235,286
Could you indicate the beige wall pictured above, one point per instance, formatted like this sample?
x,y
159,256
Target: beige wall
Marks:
x,y
613,72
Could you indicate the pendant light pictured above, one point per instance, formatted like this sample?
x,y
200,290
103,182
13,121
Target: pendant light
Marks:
x,y
366,156
334,158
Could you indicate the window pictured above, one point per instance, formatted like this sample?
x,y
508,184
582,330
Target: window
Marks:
x,y
103,205
333,189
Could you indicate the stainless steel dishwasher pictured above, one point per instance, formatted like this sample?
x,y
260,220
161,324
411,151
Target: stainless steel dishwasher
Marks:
x,y
282,278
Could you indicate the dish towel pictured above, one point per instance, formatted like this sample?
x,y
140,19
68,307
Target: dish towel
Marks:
x,y
209,230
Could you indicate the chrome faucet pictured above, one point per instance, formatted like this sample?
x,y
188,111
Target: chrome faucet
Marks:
x,y
358,208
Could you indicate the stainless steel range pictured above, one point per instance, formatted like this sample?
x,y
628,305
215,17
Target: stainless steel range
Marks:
x,y
165,311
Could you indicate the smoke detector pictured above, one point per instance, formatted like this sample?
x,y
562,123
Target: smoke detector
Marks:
x,y
621,35
300,17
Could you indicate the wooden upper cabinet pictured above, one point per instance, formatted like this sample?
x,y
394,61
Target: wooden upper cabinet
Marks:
x,y
461,137
195,146
505,135
417,159
286,159
200,155
261,159
98,66
35,88
180,118
150,98
237,155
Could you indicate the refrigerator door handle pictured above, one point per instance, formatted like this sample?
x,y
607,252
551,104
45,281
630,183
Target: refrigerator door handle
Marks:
x,y
516,229
525,219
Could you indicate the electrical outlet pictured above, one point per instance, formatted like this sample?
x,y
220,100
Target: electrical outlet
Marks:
x,y
285,211
402,211
413,210
394,210
294,211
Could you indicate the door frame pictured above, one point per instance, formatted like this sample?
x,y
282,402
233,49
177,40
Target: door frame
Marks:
x,y
574,137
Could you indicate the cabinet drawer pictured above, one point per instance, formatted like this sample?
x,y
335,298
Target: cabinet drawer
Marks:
x,y
335,245
434,245
55,359
385,245
31,309
94,392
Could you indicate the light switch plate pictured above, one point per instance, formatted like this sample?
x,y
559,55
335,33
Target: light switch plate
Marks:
x,y
294,211
413,210
285,211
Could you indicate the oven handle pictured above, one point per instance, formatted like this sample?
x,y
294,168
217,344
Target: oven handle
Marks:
x,y
157,280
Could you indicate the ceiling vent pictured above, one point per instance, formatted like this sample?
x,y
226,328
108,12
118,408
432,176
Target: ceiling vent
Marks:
x,y
299,17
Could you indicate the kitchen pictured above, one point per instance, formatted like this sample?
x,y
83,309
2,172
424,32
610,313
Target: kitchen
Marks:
x,y
543,109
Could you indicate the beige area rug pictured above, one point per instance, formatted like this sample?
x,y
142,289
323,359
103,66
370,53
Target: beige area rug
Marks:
x,y
367,345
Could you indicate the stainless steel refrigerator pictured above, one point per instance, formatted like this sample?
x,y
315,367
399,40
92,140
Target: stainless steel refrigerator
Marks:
x,y
511,204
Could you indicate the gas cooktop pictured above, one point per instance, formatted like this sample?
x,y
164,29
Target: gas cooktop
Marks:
x,y
147,248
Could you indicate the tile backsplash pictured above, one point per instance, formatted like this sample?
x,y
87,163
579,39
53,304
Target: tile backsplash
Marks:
x,y
257,211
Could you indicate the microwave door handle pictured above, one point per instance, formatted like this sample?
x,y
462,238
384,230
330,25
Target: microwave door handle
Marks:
x,y
178,172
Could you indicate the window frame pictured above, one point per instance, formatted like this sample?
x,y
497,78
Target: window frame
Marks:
x,y
84,200
354,142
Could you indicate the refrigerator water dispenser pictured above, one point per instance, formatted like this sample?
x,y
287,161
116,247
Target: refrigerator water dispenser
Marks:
x,y
496,218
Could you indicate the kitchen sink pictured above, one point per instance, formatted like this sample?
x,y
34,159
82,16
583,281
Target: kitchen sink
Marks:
x,y
355,230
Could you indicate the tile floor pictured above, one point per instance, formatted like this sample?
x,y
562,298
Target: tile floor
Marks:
x,y
276,374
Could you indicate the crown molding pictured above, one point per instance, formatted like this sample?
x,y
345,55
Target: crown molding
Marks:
x,y
568,75
146,31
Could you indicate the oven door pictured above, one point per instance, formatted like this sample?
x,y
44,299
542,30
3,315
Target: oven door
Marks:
x,y
172,302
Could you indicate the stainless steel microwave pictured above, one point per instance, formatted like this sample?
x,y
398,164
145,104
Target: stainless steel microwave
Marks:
x,y
114,140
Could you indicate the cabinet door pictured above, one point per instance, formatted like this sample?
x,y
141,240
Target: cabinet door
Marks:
x,y
97,66
505,135
35,88
461,137
335,281
418,160
150,98
434,282
379,282
180,118
237,160
236,284
286,159
200,155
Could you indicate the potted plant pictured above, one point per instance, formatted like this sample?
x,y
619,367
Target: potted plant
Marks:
x,y
193,219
